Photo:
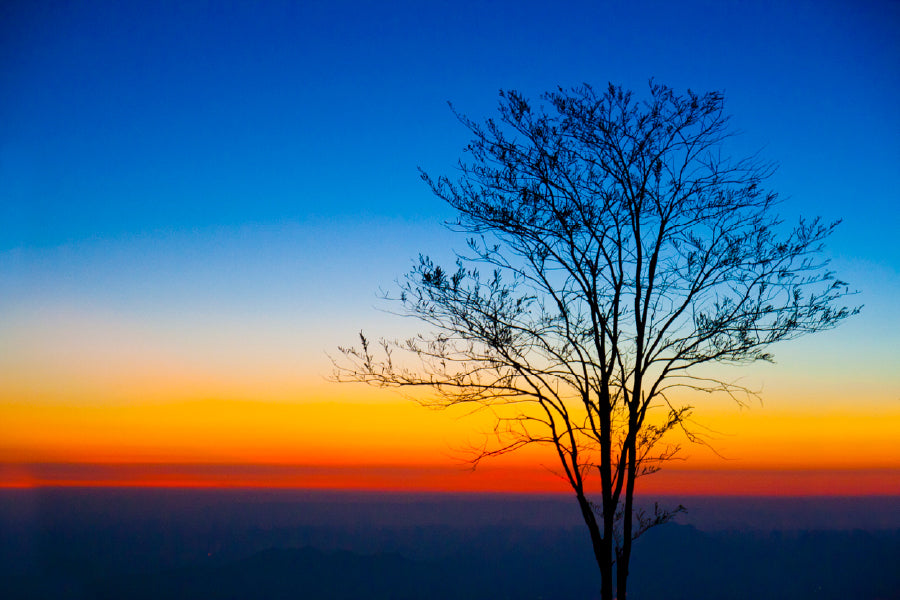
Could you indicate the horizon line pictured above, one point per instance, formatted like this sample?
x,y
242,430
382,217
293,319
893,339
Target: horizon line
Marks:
x,y
441,479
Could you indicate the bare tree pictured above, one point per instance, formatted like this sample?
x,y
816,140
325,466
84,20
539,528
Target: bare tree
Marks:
x,y
624,254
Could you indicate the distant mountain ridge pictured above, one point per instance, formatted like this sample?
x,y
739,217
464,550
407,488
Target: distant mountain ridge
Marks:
x,y
675,563
89,544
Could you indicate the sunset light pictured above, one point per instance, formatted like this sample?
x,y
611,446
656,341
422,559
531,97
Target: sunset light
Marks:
x,y
258,278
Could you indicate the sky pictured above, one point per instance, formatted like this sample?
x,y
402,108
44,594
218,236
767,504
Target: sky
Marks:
x,y
200,201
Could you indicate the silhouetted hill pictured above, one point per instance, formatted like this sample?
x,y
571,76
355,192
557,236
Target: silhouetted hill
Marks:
x,y
287,573
493,567
673,563
105,545
313,574
680,563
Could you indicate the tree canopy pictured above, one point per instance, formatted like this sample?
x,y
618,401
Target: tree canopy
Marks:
x,y
614,253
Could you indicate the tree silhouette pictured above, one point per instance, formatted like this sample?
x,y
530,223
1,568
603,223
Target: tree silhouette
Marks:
x,y
624,253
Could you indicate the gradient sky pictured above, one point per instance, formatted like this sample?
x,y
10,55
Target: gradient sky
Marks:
x,y
199,200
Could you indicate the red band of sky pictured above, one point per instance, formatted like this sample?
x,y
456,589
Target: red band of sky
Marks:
x,y
446,479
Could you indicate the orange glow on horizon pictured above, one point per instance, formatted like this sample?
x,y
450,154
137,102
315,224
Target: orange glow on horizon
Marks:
x,y
210,431
365,442
345,432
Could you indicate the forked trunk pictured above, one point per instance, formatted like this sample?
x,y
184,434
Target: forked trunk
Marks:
x,y
624,555
603,550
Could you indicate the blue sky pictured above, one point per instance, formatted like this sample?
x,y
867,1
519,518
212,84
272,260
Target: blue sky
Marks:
x,y
124,118
197,166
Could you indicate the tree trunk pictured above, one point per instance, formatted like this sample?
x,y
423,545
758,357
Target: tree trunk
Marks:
x,y
624,557
607,539
606,583
602,548
622,578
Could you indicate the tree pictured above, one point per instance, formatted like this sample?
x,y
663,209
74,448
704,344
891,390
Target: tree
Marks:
x,y
626,255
